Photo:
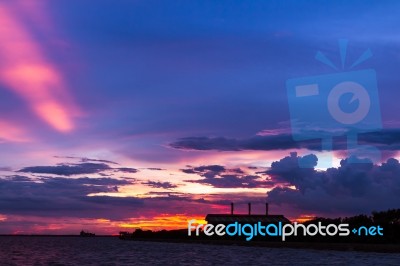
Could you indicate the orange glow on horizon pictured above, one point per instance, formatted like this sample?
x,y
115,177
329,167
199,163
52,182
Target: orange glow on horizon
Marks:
x,y
165,221
101,220
304,218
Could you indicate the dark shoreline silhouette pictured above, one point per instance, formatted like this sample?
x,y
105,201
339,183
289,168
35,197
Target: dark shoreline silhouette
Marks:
x,y
86,234
390,241
363,247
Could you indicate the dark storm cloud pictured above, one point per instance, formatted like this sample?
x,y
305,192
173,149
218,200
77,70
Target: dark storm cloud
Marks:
x,y
74,169
19,178
225,144
59,196
237,170
212,168
288,170
65,187
388,139
220,177
207,171
126,170
188,171
102,182
157,184
67,170
352,187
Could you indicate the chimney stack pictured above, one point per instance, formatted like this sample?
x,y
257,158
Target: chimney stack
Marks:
x,y
231,208
266,209
249,208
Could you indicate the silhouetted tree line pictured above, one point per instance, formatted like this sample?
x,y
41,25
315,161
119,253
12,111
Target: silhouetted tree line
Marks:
x,y
388,220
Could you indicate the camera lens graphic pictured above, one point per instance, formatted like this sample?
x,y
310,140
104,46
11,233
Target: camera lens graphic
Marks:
x,y
359,93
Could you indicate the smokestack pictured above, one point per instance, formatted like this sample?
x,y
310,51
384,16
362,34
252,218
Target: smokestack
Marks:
x,y
249,208
231,208
266,209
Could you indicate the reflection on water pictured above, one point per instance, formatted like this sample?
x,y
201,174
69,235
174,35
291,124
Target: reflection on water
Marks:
x,y
112,251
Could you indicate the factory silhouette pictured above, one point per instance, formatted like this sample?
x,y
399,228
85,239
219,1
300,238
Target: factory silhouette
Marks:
x,y
246,218
214,219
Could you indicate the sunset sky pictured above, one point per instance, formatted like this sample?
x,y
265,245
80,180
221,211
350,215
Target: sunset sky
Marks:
x,y
116,115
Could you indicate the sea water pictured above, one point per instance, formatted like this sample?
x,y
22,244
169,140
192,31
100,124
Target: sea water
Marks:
x,y
112,251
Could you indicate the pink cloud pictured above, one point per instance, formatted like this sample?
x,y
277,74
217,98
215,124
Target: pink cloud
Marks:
x,y
26,71
12,132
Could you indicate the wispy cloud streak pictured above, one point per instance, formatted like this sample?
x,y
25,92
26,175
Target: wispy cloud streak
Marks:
x,y
26,71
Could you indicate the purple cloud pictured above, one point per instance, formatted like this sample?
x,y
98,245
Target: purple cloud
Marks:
x,y
220,177
157,184
349,188
387,139
74,169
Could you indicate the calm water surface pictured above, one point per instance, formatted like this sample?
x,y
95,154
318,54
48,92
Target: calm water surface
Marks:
x,y
112,251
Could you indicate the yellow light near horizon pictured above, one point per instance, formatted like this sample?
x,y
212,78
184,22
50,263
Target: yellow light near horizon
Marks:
x,y
161,222
101,220
304,218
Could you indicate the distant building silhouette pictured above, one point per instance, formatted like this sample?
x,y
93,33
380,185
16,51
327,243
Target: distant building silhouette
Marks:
x,y
246,218
86,234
